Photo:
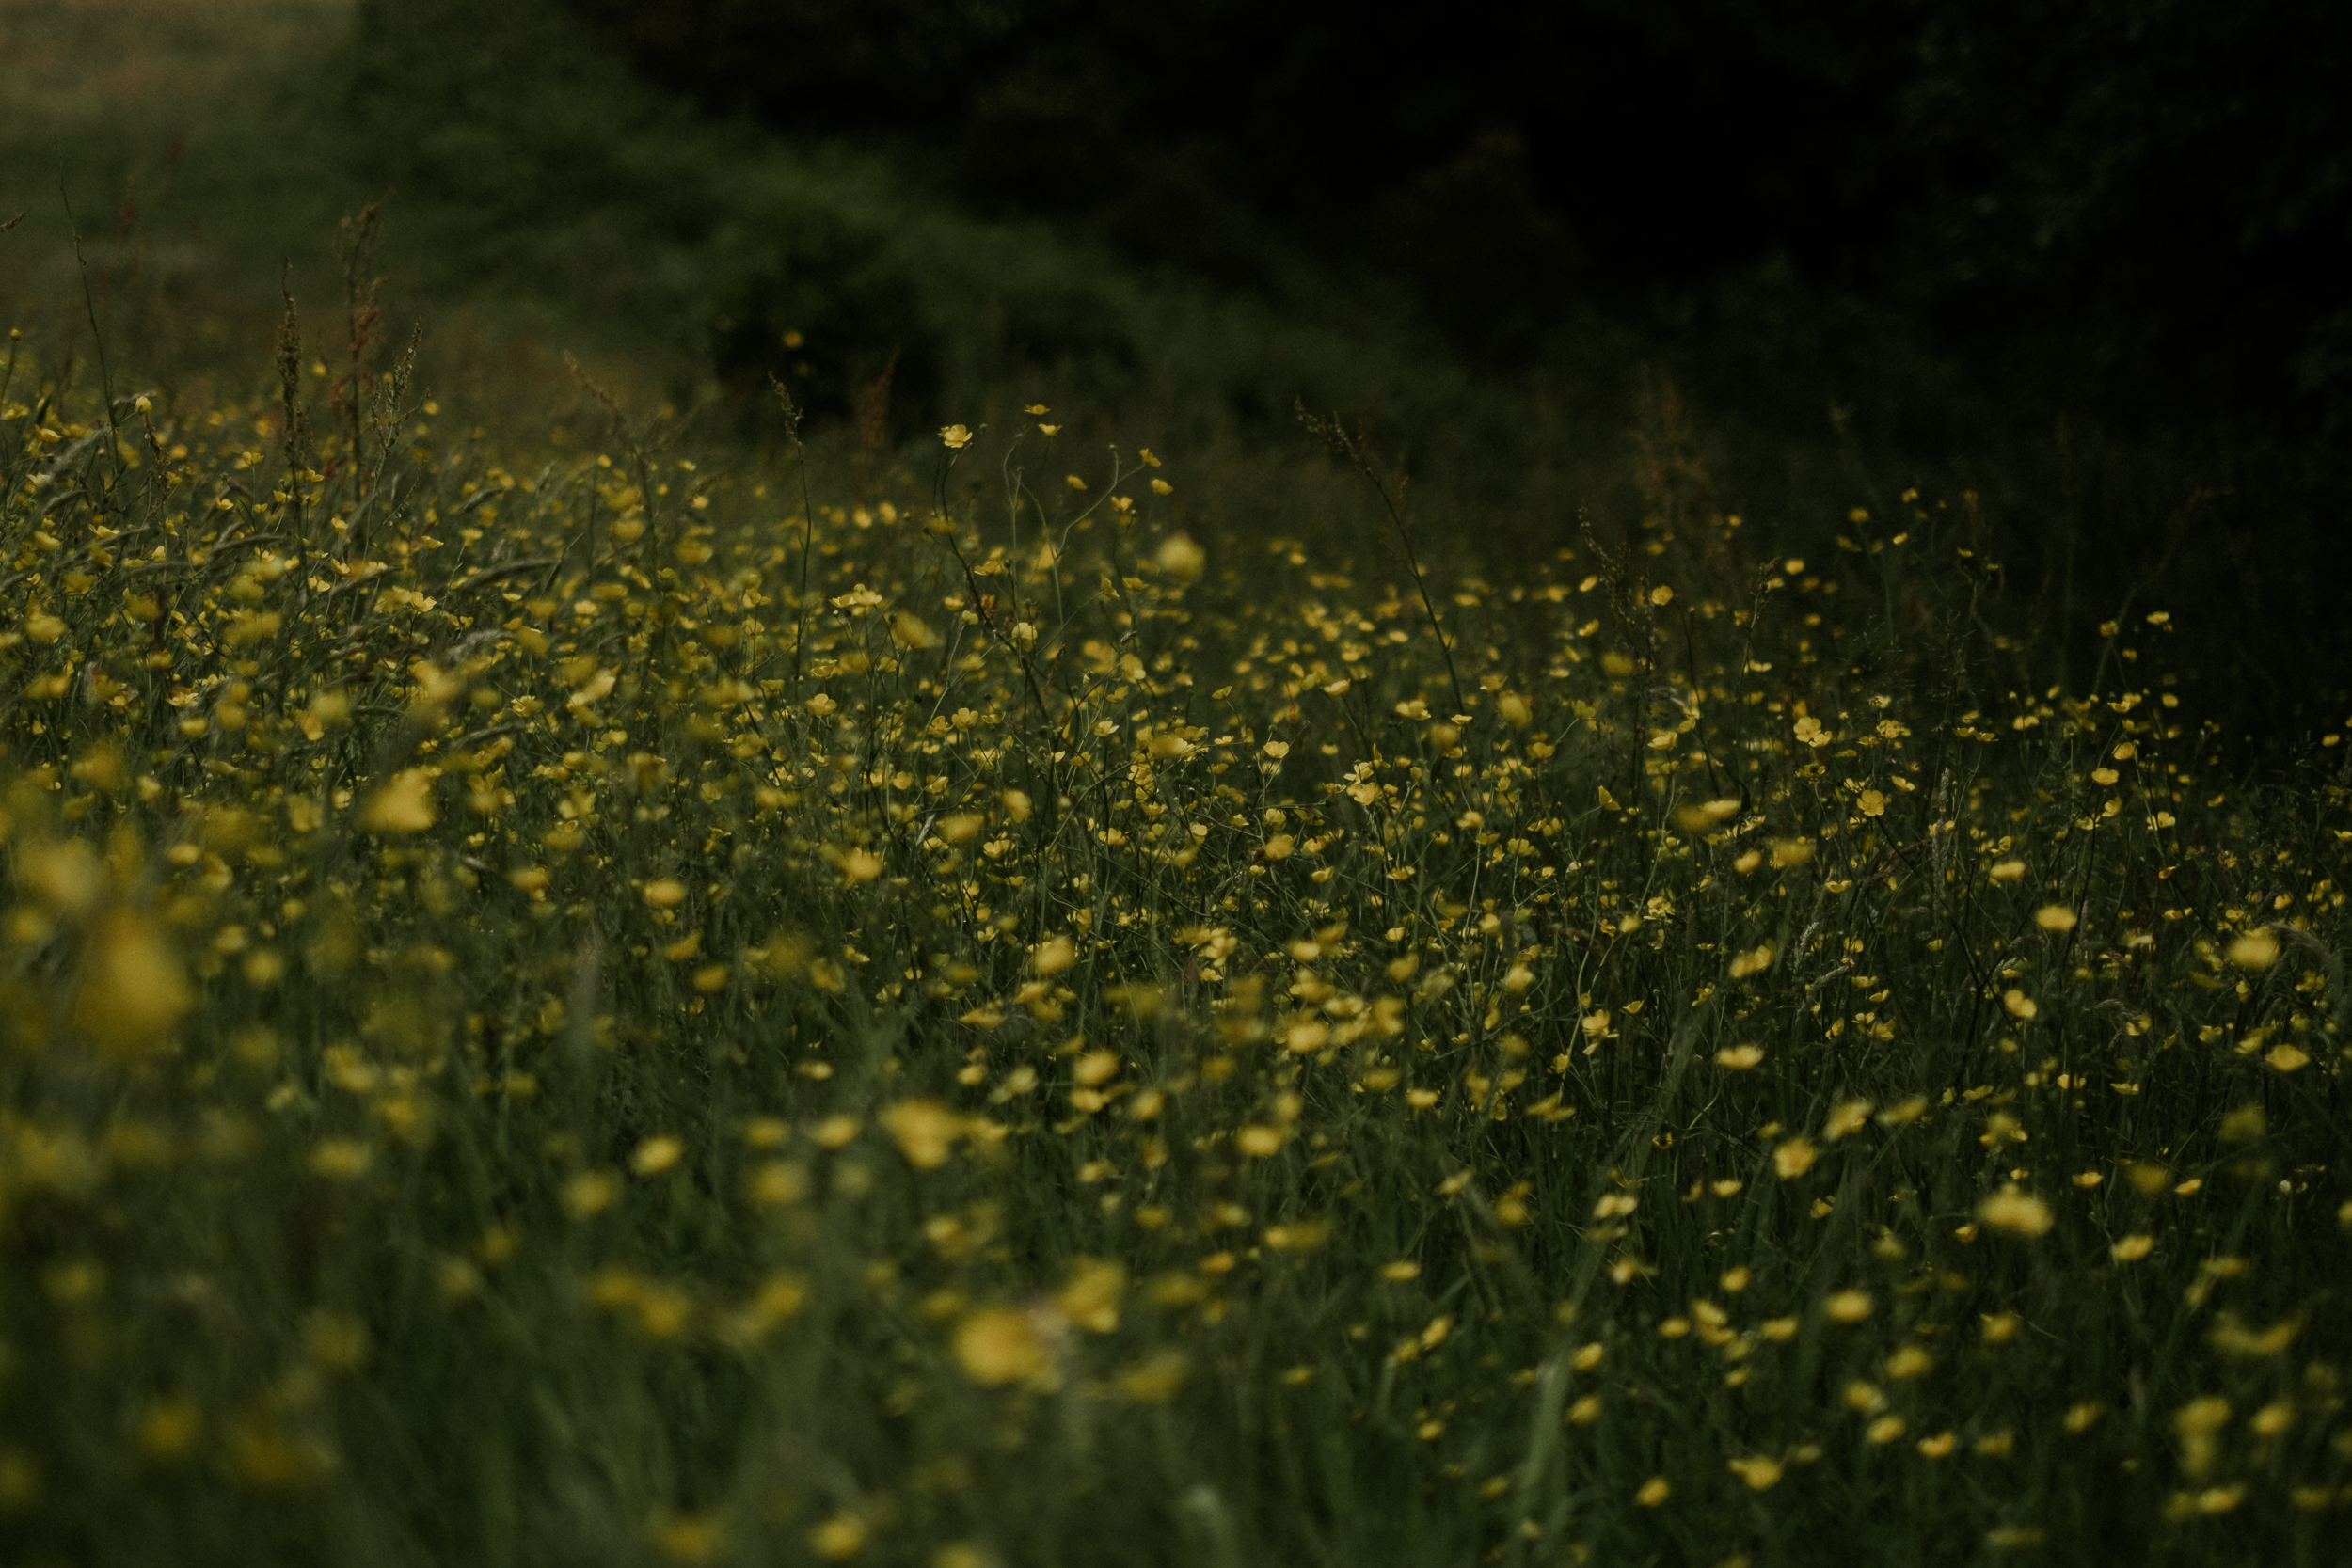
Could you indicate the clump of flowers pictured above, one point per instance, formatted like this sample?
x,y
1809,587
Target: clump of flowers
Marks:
x,y
602,953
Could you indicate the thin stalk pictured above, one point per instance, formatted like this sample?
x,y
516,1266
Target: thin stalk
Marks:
x,y
1353,447
89,305
808,524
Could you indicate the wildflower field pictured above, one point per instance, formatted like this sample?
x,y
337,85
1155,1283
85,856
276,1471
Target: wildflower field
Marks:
x,y
630,1002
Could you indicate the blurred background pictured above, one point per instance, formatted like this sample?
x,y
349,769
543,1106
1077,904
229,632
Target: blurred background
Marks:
x,y
2089,264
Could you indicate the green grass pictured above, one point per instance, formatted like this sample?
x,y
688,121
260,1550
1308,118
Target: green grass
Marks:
x,y
561,1007
557,1006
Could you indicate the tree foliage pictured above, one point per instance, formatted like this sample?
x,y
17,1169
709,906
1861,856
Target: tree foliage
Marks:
x,y
2138,209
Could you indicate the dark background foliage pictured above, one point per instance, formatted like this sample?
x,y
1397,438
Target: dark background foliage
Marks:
x,y
2080,272
2139,210
2092,260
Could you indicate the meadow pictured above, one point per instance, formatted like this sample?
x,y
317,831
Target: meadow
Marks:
x,y
627,996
